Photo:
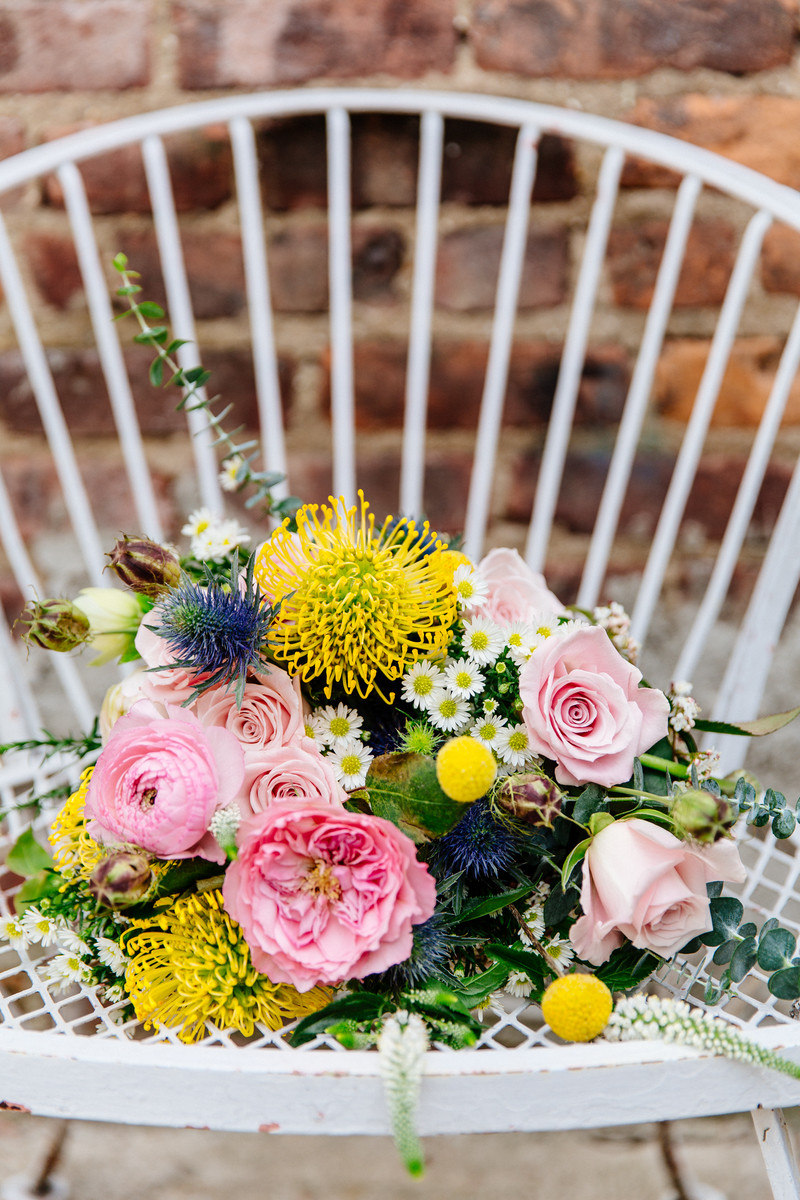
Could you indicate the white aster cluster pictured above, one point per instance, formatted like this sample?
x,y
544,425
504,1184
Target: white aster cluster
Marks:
x,y
213,538
617,624
72,962
684,709
338,732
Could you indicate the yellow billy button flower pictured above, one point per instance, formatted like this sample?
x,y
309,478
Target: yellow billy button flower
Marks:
x,y
466,769
577,1007
358,605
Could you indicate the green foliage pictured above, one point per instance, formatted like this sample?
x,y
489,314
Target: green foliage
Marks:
x,y
404,789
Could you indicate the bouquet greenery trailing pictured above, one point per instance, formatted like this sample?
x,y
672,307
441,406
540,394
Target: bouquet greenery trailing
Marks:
x,y
358,782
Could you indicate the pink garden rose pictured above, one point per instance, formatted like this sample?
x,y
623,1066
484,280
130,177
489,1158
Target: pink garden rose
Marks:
x,y
584,708
324,895
159,780
296,772
271,711
516,593
642,883
164,682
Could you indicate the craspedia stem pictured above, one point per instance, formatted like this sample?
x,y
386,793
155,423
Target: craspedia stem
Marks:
x,y
402,1044
655,1019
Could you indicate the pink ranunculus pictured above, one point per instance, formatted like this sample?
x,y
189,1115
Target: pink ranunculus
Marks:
x,y
271,711
584,708
159,780
642,883
323,895
516,593
295,772
164,682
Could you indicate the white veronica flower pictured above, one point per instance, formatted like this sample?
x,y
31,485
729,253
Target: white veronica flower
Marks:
x,y
513,745
488,729
449,713
336,726
229,476
111,955
462,678
12,929
350,762
483,640
42,929
471,589
421,683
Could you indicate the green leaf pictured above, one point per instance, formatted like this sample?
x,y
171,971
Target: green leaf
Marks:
x,y
492,904
724,953
36,887
360,1006
726,914
591,800
130,289
576,855
119,262
150,310
783,823
534,966
559,904
785,984
744,959
403,788
475,990
757,728
27,857
176,344
197,376
156,372
626,968
775,949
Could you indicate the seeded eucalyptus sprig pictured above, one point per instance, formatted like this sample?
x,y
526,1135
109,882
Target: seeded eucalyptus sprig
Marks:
x,y
165,371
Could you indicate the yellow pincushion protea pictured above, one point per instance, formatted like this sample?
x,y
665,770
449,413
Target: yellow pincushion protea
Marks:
x,y
191,964
577,1007
75,851
357,605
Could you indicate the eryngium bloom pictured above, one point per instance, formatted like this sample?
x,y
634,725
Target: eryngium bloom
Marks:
x,y
358,605
191,964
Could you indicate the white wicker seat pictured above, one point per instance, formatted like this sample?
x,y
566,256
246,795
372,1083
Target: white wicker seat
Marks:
x,y
519,1078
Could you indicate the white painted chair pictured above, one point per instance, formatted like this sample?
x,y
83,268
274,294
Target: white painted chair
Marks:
x,y
519,1078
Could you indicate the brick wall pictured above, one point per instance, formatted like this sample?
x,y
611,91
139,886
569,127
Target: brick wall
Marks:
x,y
721,74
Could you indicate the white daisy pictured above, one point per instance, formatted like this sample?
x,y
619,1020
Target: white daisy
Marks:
x,y
70,943
483,640
111,955
42,929
488,729
198,522
350,762
218,540
561,950
336,726
489,706
12,929
64,969
513,745
114,995
462,678
470,588
519,640
449,713
533,916
544,625
230,476
421,683
518,984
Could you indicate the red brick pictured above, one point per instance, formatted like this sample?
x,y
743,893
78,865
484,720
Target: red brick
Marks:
x,y
245,43
84,398
200,168
780,260
468,263
478,159
757,131
456,384
12,141
213,265
66,45
634,256
745,385
617,39
54,267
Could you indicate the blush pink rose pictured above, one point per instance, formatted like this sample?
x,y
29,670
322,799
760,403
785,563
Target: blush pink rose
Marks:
x,y
323,895
159,780
642,883
295,772
516,593
584,708
163,682
271,711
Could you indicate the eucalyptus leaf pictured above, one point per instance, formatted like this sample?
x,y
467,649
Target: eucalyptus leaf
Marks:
x,y
785,984
744,959
775,949
783,823
726,914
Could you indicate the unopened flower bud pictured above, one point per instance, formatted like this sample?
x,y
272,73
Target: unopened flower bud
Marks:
x,y
54,624
145,566
121,879
699,815
532,798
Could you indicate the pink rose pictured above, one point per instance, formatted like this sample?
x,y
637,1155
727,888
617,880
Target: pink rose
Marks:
x,y
271,710
324,895
642,883
159,780
296,772
516,593
164,681
583,707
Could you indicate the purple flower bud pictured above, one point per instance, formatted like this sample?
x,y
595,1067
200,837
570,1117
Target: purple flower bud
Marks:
x,y
54,624
699,815
121,879
532,798
144,566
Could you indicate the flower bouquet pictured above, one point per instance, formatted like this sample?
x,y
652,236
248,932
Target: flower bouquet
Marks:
x,y
357,784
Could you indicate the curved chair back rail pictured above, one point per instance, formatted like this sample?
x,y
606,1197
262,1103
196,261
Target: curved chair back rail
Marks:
x,y
532,1086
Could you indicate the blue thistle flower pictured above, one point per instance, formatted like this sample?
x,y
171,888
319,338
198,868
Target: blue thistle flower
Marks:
x,y
479,845
429,952
216,629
